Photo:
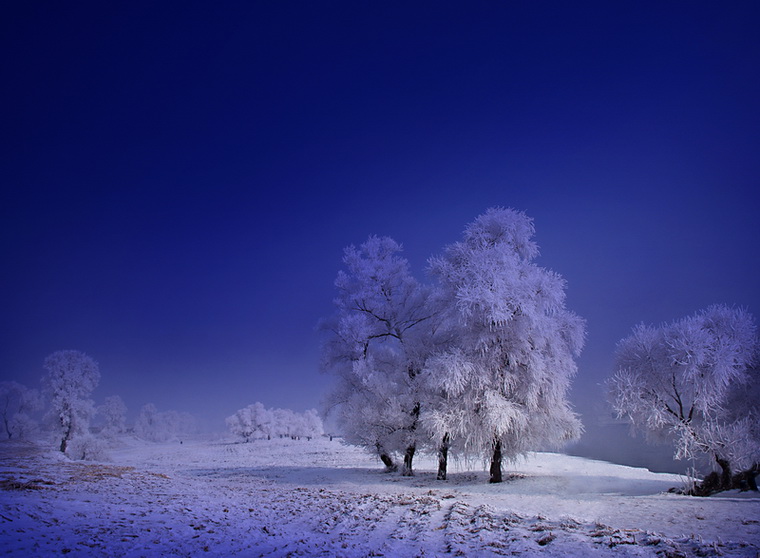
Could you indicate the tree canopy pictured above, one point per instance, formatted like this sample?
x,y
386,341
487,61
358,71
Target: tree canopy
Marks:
x,y
479,362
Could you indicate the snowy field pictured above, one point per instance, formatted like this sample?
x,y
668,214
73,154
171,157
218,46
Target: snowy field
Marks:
x,y
322,498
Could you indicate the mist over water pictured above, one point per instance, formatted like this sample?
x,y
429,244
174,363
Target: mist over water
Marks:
x,y
614,443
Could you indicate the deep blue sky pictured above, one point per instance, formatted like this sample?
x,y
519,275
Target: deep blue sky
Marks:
x,y
179,179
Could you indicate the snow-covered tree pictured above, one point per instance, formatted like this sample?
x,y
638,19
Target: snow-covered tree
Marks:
x,y
251,421
311,424
17,404
114,413
687,383
160,426
283,423
499,384
375,348
71,378
256,421
147,423
87,448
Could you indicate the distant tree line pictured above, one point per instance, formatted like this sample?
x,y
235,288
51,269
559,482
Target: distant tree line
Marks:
x,y
256,421
65,408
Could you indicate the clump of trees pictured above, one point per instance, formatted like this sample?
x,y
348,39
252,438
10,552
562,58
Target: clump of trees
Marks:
x,y
82,429
694,383
478,363
256,421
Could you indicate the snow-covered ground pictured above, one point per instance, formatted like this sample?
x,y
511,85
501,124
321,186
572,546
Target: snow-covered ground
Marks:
x,y
323,498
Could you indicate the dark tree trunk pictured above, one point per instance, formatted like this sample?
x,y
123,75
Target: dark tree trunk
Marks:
x,y
387,460
443,457
746,479
725,475
726,480
496,463
65,440
407,471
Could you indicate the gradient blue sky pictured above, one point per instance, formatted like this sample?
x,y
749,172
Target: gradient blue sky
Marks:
x,y
180,178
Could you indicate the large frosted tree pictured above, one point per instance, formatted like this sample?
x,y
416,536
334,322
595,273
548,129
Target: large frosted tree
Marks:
x,y
251,421
694,383
499,386
375,348
481,363
70,380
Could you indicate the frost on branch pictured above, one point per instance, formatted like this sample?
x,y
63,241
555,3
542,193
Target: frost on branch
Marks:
x,y
690,383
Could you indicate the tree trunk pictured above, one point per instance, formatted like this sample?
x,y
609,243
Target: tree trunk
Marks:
x,y
496,463
407,471
746,479
387,460
443,457
66,438
725,475
725,480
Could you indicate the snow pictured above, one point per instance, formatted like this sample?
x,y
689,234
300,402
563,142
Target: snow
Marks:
x,y
326,498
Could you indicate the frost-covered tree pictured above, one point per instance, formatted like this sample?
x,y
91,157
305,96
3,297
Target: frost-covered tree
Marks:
x,y
251,421
282,423
375,348
256,421
114,413
160,426
688,382
147,423
71,378
499,385
17,404
312,426
87,448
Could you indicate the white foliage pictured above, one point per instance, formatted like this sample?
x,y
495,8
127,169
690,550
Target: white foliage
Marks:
x,y
376,347
71,377
487,356
114,413
249,421
160,426
256,421
687,383
86,448
17,404
506,367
